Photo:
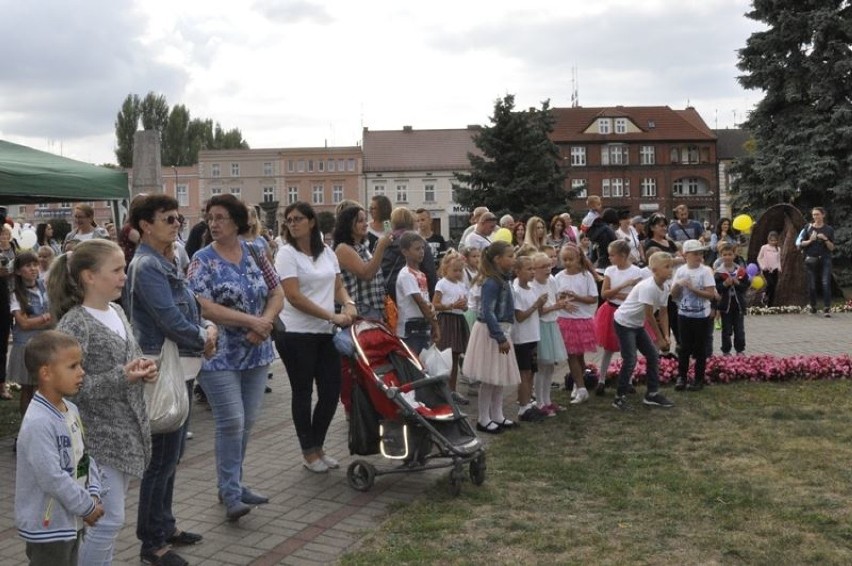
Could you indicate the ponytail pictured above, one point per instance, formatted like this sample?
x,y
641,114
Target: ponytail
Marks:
x,y
65,288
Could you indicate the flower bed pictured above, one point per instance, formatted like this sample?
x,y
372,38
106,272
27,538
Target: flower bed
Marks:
x,y
793,309
759,367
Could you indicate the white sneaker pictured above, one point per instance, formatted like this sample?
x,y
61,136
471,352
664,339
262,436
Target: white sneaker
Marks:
x,y
330,462
317,466
581,397
574,393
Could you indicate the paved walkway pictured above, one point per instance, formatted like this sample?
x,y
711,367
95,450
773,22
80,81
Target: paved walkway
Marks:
x,y
313,519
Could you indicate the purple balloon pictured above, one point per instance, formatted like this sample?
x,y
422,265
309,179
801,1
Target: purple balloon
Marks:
x,y
752,269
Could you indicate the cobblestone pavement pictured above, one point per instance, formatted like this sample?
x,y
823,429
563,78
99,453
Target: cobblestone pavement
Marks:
x,y
314,519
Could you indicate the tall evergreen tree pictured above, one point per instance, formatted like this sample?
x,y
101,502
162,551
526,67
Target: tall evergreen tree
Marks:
x,y
519,169
126,124
803,126
155,112
175,146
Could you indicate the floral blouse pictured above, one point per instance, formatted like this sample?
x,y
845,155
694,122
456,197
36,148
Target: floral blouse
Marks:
x,y
239,287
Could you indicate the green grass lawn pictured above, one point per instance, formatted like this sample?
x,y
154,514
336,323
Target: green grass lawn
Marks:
x,y
736,474
10,419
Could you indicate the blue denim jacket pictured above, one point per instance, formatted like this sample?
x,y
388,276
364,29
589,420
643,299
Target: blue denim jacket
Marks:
x,y
163,305
498,305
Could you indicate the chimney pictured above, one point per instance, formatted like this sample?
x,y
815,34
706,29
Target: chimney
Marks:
x,y
407,129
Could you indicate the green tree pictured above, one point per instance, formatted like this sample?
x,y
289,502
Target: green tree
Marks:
x,y
155,112
802,127
519,169
126,124
175,146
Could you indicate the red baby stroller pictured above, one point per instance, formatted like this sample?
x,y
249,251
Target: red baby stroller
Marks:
x,y
403,413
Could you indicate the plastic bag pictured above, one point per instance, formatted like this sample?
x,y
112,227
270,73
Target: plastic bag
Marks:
x,y
437,362
166,398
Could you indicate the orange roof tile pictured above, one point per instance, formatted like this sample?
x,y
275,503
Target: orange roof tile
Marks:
x,y
657,123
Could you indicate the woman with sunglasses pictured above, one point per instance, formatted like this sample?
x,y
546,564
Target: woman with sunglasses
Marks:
x,y
160,305
310,274
238,290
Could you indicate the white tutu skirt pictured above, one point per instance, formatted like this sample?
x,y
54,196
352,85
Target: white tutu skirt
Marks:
x,y
551,347
483,361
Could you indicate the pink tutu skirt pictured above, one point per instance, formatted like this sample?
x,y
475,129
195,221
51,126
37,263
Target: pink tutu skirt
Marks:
x,y
483,361
578,335
605,328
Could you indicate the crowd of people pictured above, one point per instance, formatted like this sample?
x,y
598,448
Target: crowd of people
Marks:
x,y
512,301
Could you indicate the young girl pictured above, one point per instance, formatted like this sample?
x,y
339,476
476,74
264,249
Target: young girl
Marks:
x,y
81,288
416,314
450,302
525,335
551,348
769,260
619,279
489,356
470,277
28,306
576,284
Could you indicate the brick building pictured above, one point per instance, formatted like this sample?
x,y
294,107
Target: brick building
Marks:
x,y
642,158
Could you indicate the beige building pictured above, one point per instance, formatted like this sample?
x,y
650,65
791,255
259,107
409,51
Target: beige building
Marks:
x,y
415,169
321,176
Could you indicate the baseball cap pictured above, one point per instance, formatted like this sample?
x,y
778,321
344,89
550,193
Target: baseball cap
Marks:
x,y
693,246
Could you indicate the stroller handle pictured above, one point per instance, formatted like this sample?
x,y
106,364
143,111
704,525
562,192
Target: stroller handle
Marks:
x,y
406,387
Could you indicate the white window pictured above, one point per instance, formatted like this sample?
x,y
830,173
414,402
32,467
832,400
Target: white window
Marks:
x,y
429,193
236,191
649,187
317,194
268,194
182,195
42,205
604,125
320,165
617,187
336,194
300,166
350,165
235,169
267,168
215,191
690,186
674,155
578,155
64,205
331,165
647,155
214,170
291,165
614,154
578,187
621,125
310,165
692,153
402,193
379,189
292,195
605,192
341,165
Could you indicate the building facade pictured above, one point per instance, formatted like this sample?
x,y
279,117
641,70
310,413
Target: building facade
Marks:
x,y
416,169
643,159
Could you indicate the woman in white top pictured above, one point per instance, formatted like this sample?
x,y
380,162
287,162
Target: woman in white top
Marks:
x,y
628,233
310,273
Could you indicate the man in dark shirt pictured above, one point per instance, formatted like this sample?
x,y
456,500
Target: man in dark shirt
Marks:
x,y
683,228
436,242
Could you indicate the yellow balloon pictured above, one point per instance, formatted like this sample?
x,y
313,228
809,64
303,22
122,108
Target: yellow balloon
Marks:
x,y
758,282
743,223
502,235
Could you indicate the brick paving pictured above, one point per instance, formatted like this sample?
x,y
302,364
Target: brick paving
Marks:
x,y
314,519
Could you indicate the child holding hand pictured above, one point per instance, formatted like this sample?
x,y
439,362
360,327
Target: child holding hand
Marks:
x,y
450,302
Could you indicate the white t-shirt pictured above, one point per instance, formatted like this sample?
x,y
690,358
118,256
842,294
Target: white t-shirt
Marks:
x,y
550,288
528,330
632,312
631,236
691,305
316,282
582,285
474,298
451,292
618,277
645,273
477,241
409,283
110,319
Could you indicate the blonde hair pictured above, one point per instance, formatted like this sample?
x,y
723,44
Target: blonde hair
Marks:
x,y
402,219
540,257
618,247
573,248
451,257
65,288
526,250
254,227
529,235
659,259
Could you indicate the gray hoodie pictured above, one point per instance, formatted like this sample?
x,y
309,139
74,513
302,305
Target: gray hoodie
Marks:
x,y
49,501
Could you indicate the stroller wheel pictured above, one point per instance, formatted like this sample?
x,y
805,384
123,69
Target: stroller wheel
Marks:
x,y
361,475
477,470
456,477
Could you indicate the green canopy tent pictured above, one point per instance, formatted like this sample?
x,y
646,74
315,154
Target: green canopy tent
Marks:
x,y
31,176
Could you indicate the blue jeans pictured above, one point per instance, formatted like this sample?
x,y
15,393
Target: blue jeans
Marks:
x,y
733,323
98,544
819,273
235,396
155,521
630,340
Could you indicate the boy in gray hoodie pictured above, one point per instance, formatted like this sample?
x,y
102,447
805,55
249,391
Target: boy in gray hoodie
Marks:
x,y
57,483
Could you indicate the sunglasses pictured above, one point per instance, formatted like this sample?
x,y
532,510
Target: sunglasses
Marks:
x,y
172,218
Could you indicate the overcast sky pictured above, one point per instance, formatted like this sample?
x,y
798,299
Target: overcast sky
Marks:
x,y
309,72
